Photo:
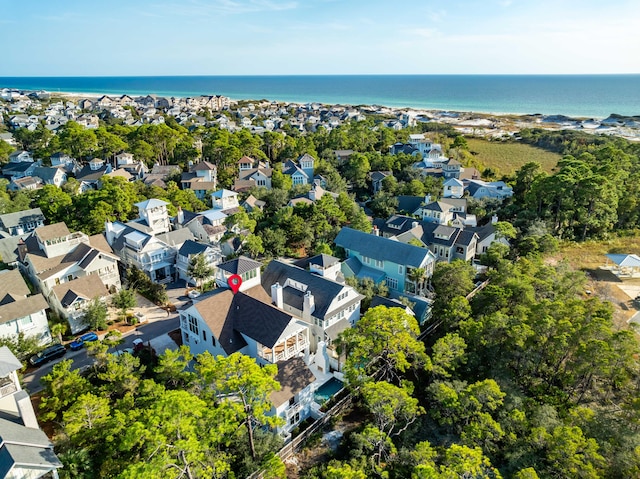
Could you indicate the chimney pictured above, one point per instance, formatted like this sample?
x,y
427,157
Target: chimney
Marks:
x,y
376,231
22,250
25,409
494,219
427,199
414,224
308,305
108,232
180,216
277,295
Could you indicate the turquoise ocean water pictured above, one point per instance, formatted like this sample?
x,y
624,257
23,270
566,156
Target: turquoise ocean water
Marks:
x,y
594,96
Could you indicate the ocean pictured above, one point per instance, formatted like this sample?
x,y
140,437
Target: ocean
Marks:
x,y
592,96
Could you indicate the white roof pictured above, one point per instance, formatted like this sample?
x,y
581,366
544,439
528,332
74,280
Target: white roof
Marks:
x,y
152,203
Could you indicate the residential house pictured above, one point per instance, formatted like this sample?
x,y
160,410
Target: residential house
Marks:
x,y
137,169
487,236
376,178
300,171
252,173
188,251
20,311
160,174
51,176
71,298
479,189
251,203
22,222
293,402
52,256
453,188
89,176
224,323
206,226
201,178
19,156
314,194
325,304
135,245
225,201
25,450
69,164
383,259
19,169
25,184
445,242
246,268
153,214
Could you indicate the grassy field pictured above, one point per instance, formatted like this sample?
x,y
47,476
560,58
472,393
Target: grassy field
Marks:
x,y
506,158
590,255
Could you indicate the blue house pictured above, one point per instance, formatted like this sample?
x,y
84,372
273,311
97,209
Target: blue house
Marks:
x,y
301,171
383,259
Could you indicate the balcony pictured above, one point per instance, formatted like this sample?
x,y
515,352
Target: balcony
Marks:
x,y
285,349
293,410
7,386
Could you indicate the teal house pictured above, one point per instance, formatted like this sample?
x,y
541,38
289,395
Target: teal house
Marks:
x,y
383,260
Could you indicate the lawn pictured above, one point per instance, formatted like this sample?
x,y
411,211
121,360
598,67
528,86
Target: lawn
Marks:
x,y
506,158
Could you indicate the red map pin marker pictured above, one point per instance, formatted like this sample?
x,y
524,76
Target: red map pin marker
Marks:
x,y
234,283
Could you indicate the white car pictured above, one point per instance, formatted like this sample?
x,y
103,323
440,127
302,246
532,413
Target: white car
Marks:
x,y
193,294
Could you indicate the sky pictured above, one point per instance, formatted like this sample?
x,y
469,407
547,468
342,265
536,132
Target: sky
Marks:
x,y
309,37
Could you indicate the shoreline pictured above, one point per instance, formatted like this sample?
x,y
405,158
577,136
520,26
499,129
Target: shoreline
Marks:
x,y
487,124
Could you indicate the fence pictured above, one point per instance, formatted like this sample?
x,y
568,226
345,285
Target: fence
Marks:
x,y
296,443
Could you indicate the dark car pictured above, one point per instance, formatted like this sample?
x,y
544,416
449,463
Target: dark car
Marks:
x,y
46,355
78,343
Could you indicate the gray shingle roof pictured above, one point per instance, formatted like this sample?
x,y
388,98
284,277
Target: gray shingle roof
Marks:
x,y
382,249
239,265
324,290
190,247
10,220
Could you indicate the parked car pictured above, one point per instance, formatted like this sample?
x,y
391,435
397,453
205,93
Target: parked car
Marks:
x,y
46,355
120,352
78,343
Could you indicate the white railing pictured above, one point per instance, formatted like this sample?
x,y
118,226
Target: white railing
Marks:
x,y
7,389
294,409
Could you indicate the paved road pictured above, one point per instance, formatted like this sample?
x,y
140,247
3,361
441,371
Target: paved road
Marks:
x,y
146,332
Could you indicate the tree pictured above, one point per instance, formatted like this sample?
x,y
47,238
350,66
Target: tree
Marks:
x,y
393,409
199,269
384,340
242,385
58,329
253,245
418,276
95,314
124,300
5,151
62,387
177,434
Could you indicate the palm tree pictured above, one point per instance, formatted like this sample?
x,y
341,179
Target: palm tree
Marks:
x,y
58,329
418,276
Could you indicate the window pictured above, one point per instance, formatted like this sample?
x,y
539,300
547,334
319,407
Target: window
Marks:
x,y
193,324
400,269
249,274
213,340
459,250
366,260
378,264
204,335
392,283
70,277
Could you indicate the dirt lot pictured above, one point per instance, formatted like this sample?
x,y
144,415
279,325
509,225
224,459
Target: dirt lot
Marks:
x,y
590,258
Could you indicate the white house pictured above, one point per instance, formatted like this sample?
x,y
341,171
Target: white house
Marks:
x,y
188,251
25,450
21,312
52,255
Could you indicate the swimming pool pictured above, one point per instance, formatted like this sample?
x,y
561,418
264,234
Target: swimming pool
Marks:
x,y
328,390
